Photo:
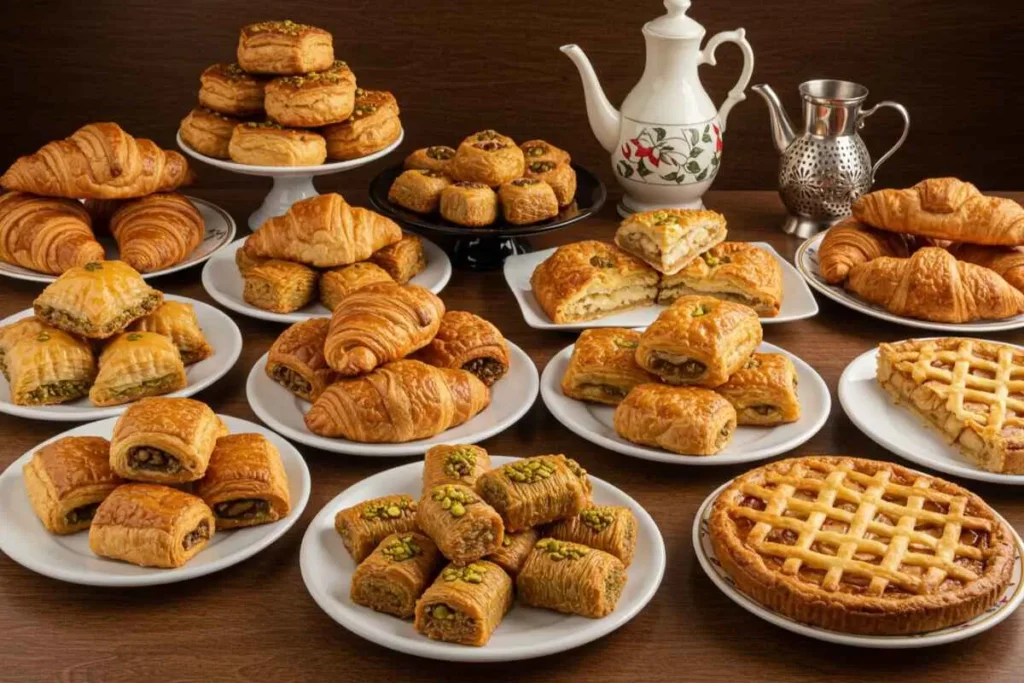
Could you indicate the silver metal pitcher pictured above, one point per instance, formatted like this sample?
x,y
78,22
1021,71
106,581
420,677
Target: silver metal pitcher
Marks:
x,y
826,166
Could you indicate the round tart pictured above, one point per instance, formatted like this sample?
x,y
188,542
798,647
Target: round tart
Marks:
x,y
540,150
527,200
208,132
489,158
284,48
861,546
434,158
313,99
227,89
373,125
471,204
268,144
418,189
559,176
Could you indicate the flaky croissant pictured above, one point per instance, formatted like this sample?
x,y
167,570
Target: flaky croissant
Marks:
x,y
851,242
98,161
157,231
1006,262
47,235
933,285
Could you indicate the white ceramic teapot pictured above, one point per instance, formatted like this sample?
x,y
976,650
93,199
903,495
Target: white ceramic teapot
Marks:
x,y
666,143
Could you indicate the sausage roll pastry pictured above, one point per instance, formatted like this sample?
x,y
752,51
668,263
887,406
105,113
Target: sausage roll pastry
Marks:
x,y
401,401
157,231
265,143
699,340
488,157
245,483
540,150
467,341
434,158
14,333
96,300
403,260
731,271
571,578
606,527
381,323
514,549
469,203
177,321
279,286
373,125
684,420
589,280
208,132
46,234
362,527
463,526
67,480
560,176
227,89
603,366
536,490
338,283
527,200
465,604
395,575
165,440
296,359
50,367
312,99
763,391
137,364
454,464
418,189
668,239
284,47
151,526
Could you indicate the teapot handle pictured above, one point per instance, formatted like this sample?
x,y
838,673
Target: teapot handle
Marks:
x,y
906,129
707,56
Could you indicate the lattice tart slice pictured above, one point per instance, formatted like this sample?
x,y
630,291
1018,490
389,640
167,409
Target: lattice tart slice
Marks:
x,y
861,546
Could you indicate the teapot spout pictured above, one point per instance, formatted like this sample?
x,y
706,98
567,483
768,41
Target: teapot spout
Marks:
x,y
604,118
782,127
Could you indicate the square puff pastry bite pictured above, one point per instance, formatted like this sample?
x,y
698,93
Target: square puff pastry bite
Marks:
x,y
50,367
763,391
338,283
245,482
137,364
373,125
279,286
731,271
603,366
177,321
684,420
285,48
67,480
592,279
699,340
668,239
227,89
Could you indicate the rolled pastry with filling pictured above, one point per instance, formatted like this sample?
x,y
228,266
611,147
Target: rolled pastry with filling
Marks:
x,y
245,482
296,359
515,548
468,342
536,490
571,578
763,391
465,604
454,464
684,420
362,527
464,527
606,527
396,574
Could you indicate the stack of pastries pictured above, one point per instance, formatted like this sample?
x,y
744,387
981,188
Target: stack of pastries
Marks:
x,y
454,559
155,494
288,102
100,331
486,178
938,251
128,186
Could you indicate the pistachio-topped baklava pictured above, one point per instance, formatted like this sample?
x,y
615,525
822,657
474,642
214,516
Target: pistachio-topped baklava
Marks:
x,y
395,574
465,604
460,522
536,490
571,578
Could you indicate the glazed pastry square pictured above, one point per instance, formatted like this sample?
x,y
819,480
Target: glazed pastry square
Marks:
x,y
731,271
668,239
465,604
265,143
395,574
684,420
603,366
279,286
571,578
50,367
763,391
537,490
135,365
296,359
312,99
402,260
365,525
228,89
373,125
464,527
177,321
468,342
245,483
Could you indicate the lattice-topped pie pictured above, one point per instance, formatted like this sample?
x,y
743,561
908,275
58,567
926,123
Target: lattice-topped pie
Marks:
x,y
972,391
861,546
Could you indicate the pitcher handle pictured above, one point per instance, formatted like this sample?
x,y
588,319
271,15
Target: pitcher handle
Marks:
x,y
906,129
707,56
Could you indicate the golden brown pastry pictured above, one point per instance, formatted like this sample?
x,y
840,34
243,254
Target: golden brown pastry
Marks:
x,y
177,321
464,527
434,158
668,239
245,483
208,132
101,211
527,200
467,341
312,99
537,490
603,366
763,391
465,604
571,578
606,527
284,47
403,260
365,525
13,333
265,143
373,125
244,260
730,271
48,367
488,157
850,242
1006,262
469,203
228,89
135,365
296,359
515,548
418,189
67,480
279,286
157,231
560,176
540,150
46,235
454,464
98,161
933,285
336,284
395,575
684,420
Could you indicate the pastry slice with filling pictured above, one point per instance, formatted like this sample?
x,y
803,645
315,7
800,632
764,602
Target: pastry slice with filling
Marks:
x,y
245,482
731,271
763,391
668,239
603,366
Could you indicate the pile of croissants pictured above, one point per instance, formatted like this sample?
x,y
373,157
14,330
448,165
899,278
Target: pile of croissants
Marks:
x,y
127,185
939,251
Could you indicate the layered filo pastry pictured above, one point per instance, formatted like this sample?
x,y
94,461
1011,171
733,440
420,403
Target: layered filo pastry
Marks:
x,y
541,150
536,490
731,271
13,333
433,158
265,143
418,189
137,364
527,200
668,239
403,260
468,342
373,125
177,321
603,366
208,132
609,528
465,604
362,527
454,464
764,391
279,286
571,578
245,483
50,367
338,283
396,574
469,203
284,47
515,548
296,359
488,157
560,176
229,89
464,527
684,420
312,99
67,480
591,279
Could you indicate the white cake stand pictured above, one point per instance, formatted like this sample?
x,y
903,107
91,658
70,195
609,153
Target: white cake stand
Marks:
x,y
291,183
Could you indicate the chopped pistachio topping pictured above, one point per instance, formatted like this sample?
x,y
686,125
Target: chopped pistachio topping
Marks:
x,y
262,124
506,540
440,152
471,573
699,310
387,509
364,109
442,612
536,150
561,550
459,462
625,343
601,262
469,184
709,259
752,363
93,266
541,166
401,549
529,470
430,173
575,468
233,72
453,499
325,77
360,92
525,182
597,519
43,336
488,135
287,27
134,336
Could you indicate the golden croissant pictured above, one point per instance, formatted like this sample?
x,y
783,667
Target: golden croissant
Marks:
x,y
99,161
1007,262
157,231
944,209
851,242
933,285
44,234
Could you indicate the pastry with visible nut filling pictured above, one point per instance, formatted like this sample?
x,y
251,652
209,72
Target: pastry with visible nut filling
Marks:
x,y
49,367
227,89
527,200
135,365
571,578
541,150
362,527
373,125
433,158
313,99
560,176
763,391
464,527
177,321
537,490
454,464
469,203
488,157
465,604
284,48
602,368
418,189
296,359
396,574
245,483
669,239
469,342
731,271
606,527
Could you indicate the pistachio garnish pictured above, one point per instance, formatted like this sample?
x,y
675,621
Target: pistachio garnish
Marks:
x,y
430,173
488,135
561,550
506,540
364,109
471,573
262,124
541,166
536,150
469,184
442,612
601,262
575,468
699,310
93,266
490,145
597,519
388,509
709,259
459,462
453,499
401,549
134,336
625,343
43,336
288,27
440,152
752,363
360,92
529,470
525,182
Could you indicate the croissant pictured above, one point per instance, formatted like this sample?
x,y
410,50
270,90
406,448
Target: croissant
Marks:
x,y
1007,262
324,232
933,285
157,231
401,401
99,161
945,209
47,235
850,242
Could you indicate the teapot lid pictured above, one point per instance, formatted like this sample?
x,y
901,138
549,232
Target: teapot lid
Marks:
x,y
675,24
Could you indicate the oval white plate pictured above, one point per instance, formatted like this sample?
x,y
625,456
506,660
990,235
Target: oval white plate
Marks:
x,y
220,230
525,632
797,300
1004,607
220,330
511,398
898,430
593,421
224,283
806,259
68,558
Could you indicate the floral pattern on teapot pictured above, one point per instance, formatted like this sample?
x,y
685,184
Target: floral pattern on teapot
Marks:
x,y
667,155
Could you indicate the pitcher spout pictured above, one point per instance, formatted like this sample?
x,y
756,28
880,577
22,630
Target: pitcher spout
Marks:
x,y
782,127
604,118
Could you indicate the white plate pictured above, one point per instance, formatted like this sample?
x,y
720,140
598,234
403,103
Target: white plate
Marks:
x,y
68,558
797,300
898,430
593,421
806,259
511,397
224,283
525,632
1004,607
220,230
220,330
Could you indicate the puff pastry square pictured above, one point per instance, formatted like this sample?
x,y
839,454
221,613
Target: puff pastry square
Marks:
x,y
668,239
245,482
279,286
67,480
468,342
296,359
684,420
284,47
763,391
402,260
603,366
50,367
177,321
137,364
336,284
732,271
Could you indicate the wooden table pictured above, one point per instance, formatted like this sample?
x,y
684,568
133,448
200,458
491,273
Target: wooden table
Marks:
x,y
255,621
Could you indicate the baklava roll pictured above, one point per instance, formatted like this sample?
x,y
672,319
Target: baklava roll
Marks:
x,y
488,157
571,578
362,527
606,527
763,391
469,203
527,200
537,490
560,176
515,548
245,482
396,574
403,260
468,342
296,359
684,420
454,464
463,526
465,604
418,190
279,286
433,158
